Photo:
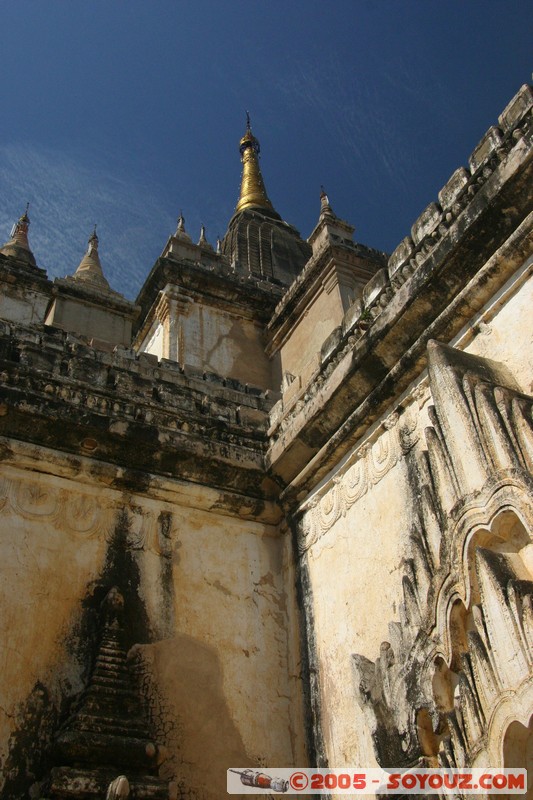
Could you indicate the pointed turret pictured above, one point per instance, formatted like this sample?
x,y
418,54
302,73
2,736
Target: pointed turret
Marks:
x,y
325,208
90,268
202,241
18,246
85,304
181,233
330,229
180,245
253,193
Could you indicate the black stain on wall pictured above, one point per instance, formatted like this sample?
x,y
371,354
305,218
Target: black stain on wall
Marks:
x,y
50,702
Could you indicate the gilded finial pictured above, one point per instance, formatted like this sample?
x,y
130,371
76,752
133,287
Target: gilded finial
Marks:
x,y
253,192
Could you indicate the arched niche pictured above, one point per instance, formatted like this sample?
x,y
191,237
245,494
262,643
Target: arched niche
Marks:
x,y
518,753
460,623
445,678
506,534
444,682
428,739
455,692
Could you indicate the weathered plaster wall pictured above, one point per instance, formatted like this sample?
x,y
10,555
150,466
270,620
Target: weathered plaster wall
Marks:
x,y
207,604
155,341
357,538
214,340
89,320
22,305
312,328
225,344
502,331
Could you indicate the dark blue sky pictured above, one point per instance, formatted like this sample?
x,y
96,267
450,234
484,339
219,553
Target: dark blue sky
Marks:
x,y
123,112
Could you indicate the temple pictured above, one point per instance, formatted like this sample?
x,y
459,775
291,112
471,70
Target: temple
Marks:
x,y
277,511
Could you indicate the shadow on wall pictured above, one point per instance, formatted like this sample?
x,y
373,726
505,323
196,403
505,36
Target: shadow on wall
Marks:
x,y
182,686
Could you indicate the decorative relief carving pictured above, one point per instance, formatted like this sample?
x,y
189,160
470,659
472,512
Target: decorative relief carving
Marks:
x,y
498,663
74,513
365,468
86,514
32,499
141,531
82,513
460,657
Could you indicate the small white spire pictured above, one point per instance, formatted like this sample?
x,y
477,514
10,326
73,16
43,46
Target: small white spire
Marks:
x,y
18,245
90,268
181,233
202,241
325,208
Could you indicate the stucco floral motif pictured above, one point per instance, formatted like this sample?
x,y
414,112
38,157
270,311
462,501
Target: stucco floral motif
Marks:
x,y
33,500
82,513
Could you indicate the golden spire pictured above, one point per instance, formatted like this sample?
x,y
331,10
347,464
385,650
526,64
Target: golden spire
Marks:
x,y
253,192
